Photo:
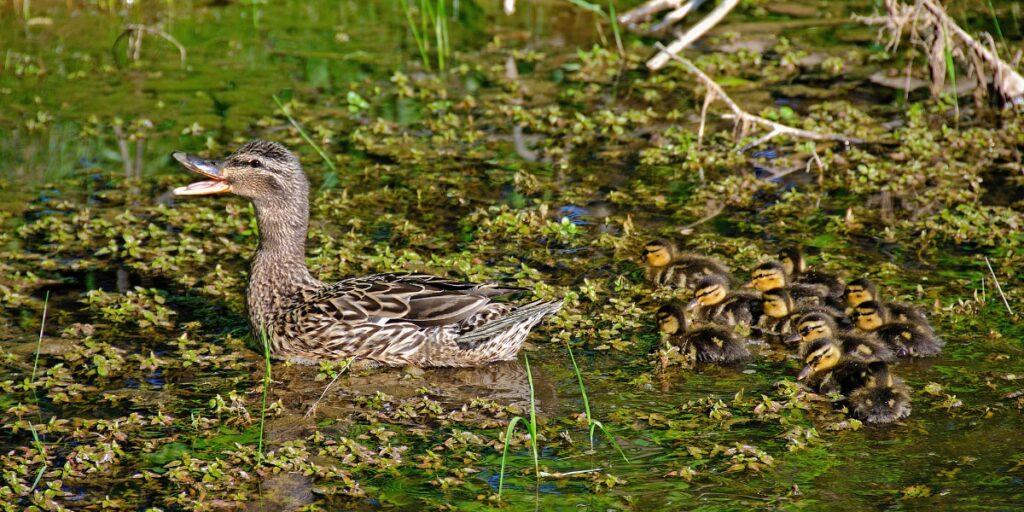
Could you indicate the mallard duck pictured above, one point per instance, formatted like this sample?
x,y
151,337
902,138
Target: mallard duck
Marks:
x,y
381,319
666,266
781,313
905,338
882,399
830,369
714,302
703,343
863,290
817,325
795,267
772,274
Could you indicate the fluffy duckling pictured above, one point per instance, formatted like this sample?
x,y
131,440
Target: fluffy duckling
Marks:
x,y
795,267
883,399
862,290
666,266
814,326
705,343
772,274
829,368
713,302
905,338
781,314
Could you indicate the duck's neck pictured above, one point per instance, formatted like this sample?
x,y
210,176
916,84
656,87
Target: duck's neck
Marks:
x,y
279,275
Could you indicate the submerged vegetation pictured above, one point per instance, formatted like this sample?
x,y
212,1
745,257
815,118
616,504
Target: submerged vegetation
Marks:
x,y
529,150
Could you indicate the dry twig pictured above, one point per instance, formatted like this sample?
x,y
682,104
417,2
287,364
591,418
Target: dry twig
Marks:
x,y
312,408
695,32
998,286
742,118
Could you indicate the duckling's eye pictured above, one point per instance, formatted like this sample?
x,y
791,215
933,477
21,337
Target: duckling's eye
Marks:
x,y
255,164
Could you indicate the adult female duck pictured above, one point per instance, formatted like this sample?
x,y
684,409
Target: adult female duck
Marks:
x,y
384,319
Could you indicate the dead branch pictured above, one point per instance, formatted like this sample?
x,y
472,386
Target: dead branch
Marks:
x,y
135,32
742,118
694,33
930,27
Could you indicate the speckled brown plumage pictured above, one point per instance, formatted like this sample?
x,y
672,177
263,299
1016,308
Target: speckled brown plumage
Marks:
x,y
385,319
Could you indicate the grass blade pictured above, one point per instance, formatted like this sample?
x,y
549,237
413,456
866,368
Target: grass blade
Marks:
x,y
995,21
504,454
330,178
532,426
266,389
415,34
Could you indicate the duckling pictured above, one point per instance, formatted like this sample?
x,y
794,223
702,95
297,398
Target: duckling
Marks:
x,y
772,274
860,347
905,338
666,266
715,303
830,368
704,343
795,267
882,399
863,290
781,313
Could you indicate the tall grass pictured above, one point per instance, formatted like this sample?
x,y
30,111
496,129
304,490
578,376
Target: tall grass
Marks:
x,y
433,18
531,428
35,366
266,389
592,424
610,16
951,72
995,21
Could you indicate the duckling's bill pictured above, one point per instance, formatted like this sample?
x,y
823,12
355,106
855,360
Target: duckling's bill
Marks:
x,y
210,169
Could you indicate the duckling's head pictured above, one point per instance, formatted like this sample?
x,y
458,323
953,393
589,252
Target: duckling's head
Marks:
x,y
877,375
792,260
670,319
869,315
777,302
767,276
710,290
822,355
860,290
660,252
814,326
262,171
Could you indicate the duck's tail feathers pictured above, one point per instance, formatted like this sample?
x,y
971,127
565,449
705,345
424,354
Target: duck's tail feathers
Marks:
x,y
501,339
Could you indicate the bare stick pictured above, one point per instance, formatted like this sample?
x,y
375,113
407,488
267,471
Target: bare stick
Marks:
x,y
647,11
312,408
742,117
998,286
695,32
122,147
1009,83
676,15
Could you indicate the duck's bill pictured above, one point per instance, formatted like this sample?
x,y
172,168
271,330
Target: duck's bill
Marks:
x,y
807,370
692,304
795,337
208,168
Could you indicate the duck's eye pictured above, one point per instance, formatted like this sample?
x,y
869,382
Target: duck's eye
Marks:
x,y
255,164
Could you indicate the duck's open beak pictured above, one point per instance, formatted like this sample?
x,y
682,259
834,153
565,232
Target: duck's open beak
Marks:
x,y
208,168
804,373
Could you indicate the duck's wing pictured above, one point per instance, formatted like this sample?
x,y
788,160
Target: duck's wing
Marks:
x,y
420,299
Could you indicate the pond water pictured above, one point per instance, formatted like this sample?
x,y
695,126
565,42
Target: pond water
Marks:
x,y
540,156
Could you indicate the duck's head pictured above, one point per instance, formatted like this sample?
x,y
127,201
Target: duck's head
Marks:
x,y
814,326
659,253
262,171
877,375
869,315
777,303
822,355
710,290
670,319
860,290
768,275
792,260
